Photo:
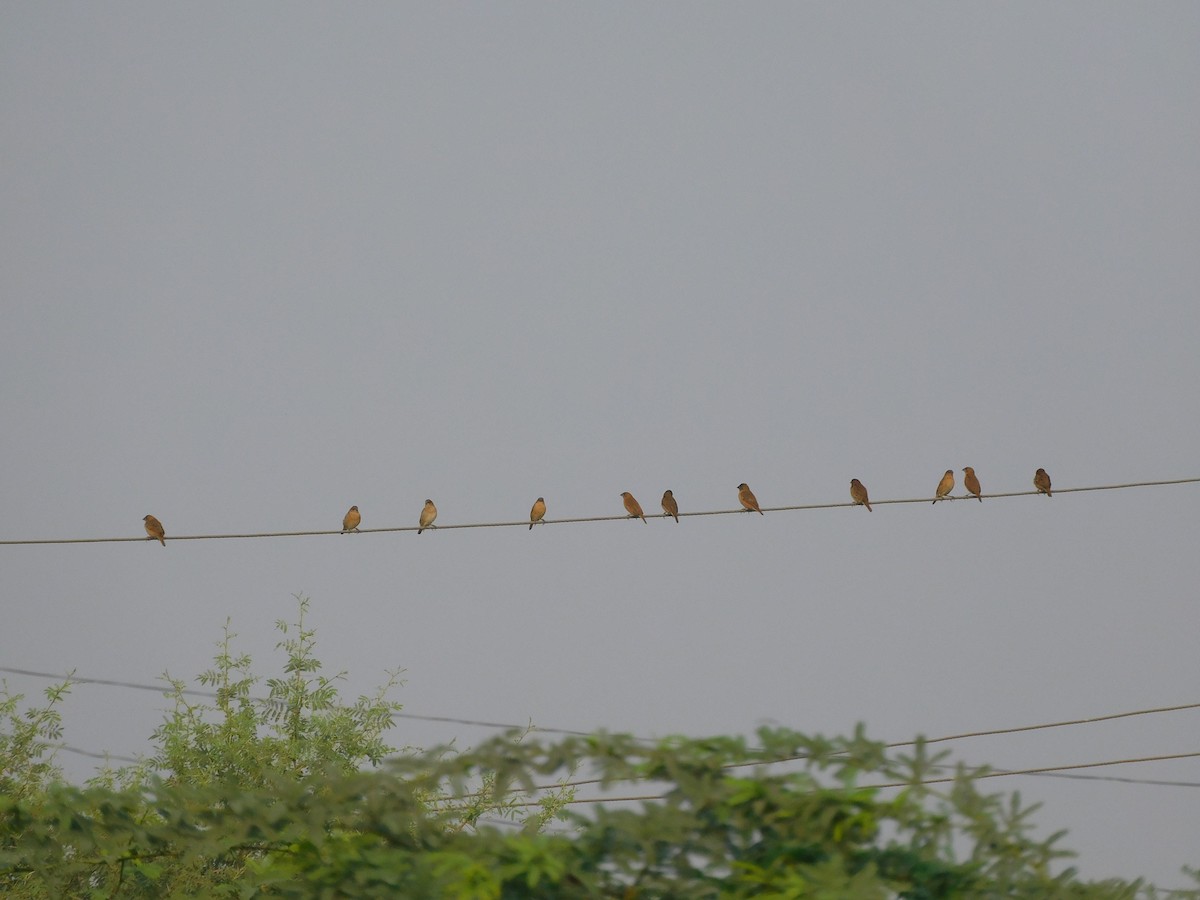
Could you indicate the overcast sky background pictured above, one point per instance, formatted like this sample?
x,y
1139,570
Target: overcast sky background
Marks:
x,y
262,262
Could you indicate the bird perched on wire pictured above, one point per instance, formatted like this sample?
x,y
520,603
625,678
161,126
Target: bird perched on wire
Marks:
x,y
154,529
971,483
633,507
1041,481
747,499
537,513
428,515
351,520
945,486
858,493
670,507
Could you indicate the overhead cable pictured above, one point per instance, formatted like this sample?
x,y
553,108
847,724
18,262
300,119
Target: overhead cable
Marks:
x,y
571,521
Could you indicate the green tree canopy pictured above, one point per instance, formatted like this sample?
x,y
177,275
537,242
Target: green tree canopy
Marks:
x,y
297,795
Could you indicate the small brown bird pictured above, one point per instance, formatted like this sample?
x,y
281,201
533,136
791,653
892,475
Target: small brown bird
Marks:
x,y
1041,481
945,486
971,483
538,511
154,529
747,499
858,493
428,515
670,507
633,507
350,523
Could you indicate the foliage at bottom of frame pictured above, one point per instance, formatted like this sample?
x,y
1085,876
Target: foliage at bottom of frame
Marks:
x,y
295,794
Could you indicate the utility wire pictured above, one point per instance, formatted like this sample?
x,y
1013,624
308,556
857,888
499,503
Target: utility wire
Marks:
x,y
1046,774
92,753
572,521
1049,773
213,695
583,782
936,740
1041,770
1017,729
1160,782
997,731
1065,722
67,748
1045,770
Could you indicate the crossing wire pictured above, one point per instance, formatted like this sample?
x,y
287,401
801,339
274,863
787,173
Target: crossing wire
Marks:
x,y
1051,772
990,773
935,740
1016,729
213,695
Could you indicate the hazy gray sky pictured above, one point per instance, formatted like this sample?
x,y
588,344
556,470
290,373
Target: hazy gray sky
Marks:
x,y
260,262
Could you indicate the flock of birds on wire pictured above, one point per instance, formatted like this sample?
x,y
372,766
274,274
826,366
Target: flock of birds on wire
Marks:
x,y
858,493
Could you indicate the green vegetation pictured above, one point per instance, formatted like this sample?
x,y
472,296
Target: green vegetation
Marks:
x,y
297,795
